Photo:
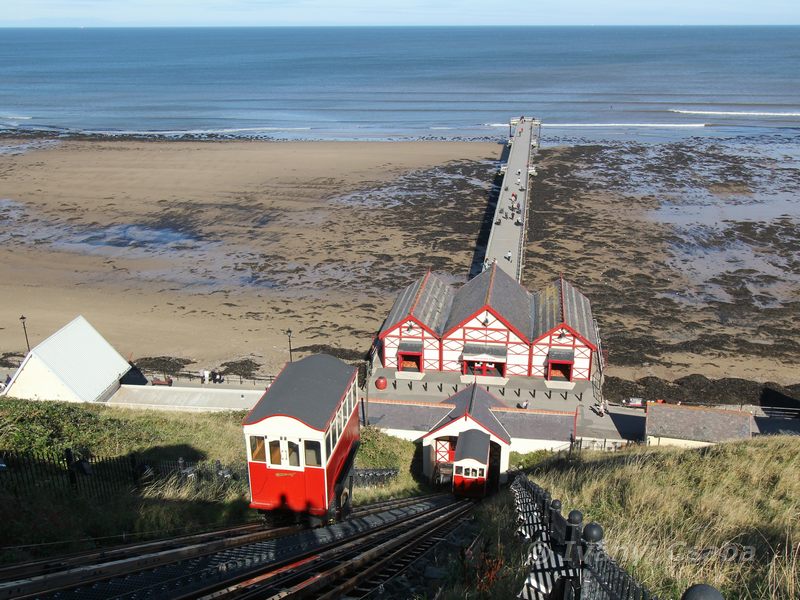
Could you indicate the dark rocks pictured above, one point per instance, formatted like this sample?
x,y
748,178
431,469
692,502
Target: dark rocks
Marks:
x,y
698,389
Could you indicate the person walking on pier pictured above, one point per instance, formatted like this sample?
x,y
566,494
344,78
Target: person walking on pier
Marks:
x,y
508,256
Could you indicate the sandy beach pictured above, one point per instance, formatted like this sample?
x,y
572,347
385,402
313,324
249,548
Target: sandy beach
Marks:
x,y
210,251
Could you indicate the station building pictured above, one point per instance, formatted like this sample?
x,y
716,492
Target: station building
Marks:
x,y
490,328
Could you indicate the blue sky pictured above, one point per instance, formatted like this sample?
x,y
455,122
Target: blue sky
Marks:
x,y
403,12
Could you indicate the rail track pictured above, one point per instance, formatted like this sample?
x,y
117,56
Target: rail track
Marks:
x,y
61,563
191,566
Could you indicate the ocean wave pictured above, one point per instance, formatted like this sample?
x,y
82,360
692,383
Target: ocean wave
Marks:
x,y
14,118
495,124
726,113
179,132
657,125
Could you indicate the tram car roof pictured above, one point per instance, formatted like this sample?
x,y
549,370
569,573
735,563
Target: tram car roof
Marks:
x,y
308,390
474,444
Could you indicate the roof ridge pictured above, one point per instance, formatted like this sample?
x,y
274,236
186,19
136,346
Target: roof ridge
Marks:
x,y
419,292
561,292
486,300
472,398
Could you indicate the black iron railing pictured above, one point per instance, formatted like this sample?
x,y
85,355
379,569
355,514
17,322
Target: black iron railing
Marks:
x,y
373,477
23,474
567,560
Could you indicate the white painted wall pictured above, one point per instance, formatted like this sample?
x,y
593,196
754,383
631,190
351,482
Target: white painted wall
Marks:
x,y
35,381
677,442
581,368
453,429
523,446
485,328
430,345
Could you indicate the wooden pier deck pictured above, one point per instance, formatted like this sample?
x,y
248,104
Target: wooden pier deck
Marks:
x,y
507,238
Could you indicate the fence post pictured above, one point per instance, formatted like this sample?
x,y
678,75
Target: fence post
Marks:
x,y
592,536
573,537
134,472
555,508
70,459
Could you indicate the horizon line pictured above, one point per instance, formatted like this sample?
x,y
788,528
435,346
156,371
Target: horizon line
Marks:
x,y
364,26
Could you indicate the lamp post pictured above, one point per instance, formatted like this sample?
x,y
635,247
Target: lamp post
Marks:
x,y
289,335
25,329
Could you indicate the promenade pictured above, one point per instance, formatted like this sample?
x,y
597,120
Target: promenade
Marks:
x,y
507,238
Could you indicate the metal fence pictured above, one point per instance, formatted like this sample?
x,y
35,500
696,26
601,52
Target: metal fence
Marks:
x,y
26,474
373,477
567,560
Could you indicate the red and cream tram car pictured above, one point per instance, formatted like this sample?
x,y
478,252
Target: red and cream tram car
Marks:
x,y
471,464
302,437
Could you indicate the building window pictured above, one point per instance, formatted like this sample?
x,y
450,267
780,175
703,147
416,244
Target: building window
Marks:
x,y
258,452
480,472
409,362
328,445
459,470
313,454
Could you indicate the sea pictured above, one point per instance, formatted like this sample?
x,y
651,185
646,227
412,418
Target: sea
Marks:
x,y
399,83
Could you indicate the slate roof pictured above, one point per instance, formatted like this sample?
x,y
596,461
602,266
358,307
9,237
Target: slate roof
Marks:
x,y
497,289
308,390
696,423
427,417
474,444
561,302
428,299
476,402
79,357
414,417
537,425
561,354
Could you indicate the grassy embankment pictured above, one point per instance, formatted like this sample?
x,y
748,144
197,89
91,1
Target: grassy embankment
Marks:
x,y
55,523
672,517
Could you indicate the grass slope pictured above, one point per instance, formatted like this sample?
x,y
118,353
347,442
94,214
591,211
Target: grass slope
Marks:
x,y
676,517
50,524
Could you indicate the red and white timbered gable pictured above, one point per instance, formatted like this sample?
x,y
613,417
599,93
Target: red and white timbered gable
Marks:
x,y
491,327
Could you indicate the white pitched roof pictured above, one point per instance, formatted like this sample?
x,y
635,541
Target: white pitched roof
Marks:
x,y
79,358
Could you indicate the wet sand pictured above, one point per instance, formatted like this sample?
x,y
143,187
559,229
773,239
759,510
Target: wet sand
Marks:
x,y
688,251
210,251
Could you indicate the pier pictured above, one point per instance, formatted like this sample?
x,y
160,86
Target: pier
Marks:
x,y
507,238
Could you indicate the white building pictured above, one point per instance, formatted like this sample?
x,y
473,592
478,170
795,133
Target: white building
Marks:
x,y
491,329
75,364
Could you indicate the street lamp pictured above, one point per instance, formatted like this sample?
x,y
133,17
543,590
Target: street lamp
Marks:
x,y
25,329
289,335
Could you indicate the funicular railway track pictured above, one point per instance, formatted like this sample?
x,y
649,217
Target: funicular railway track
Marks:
x,y
116,553
199,565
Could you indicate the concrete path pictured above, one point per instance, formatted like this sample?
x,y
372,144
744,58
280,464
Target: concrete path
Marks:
x,y
507,239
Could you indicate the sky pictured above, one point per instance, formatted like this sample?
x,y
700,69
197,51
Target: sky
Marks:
x,y
161,13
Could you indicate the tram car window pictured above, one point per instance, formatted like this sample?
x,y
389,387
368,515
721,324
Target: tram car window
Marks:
x,y
311,406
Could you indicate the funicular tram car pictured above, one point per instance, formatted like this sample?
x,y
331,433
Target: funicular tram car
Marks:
x,y
471,464
302,437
